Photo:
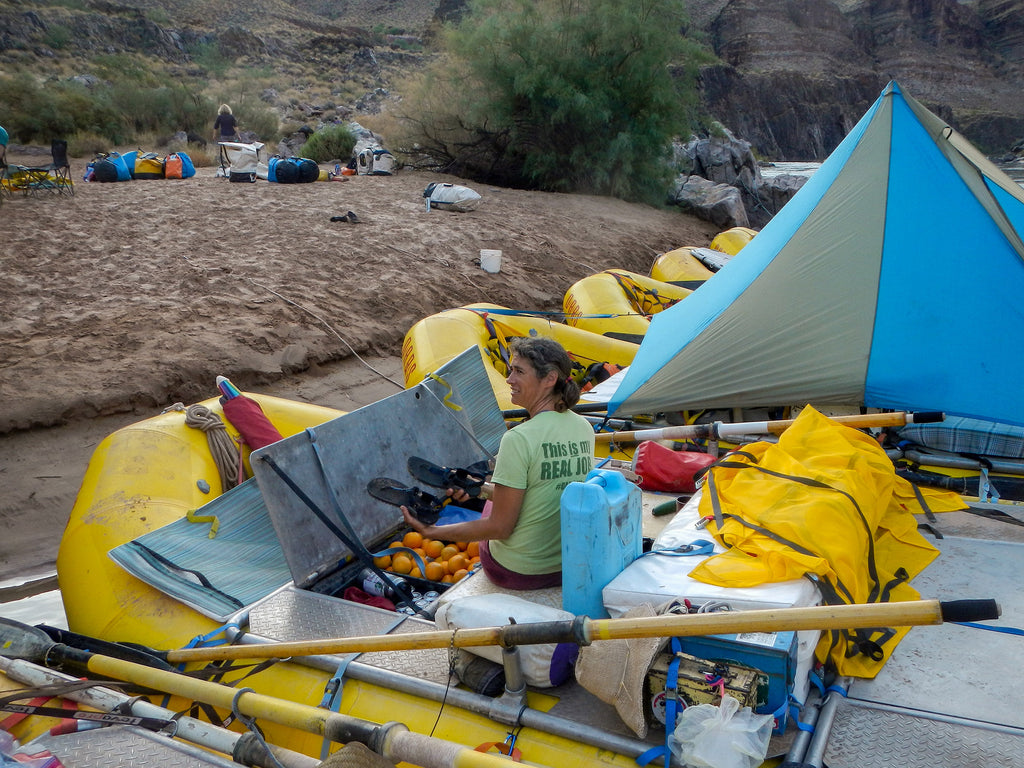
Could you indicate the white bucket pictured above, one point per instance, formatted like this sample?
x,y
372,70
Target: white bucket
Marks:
x,y
490,260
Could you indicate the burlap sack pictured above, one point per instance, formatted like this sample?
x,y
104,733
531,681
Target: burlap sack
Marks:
x,y
615,670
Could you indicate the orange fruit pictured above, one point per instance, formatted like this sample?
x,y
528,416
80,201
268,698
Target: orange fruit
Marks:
x,y
462,545
458,563
473,549
435,571
382,562
412,539
460,574
395,543
449,551
401,563
419,551
446,579
433,547
415,572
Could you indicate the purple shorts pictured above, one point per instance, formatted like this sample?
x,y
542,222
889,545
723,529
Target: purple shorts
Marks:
x,y
503,577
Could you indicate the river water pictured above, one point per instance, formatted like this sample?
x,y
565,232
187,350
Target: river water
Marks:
x,y
47,607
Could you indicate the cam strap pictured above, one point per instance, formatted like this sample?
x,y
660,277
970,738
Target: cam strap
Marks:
x,y
503,747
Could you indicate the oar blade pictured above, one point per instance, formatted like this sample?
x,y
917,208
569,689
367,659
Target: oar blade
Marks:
x,y
20,641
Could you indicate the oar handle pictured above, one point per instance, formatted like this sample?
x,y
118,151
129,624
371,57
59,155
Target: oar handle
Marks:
x,y
720,429
583,630
970,610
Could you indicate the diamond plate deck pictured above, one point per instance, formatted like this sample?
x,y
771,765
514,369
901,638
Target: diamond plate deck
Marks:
x,y
950,695
295,614
127,747
886,738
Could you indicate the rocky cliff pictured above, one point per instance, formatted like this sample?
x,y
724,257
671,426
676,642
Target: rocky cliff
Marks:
x,y
792,77
795,75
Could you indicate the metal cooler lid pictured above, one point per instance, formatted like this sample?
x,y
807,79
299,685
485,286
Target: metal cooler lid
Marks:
x,y
332,463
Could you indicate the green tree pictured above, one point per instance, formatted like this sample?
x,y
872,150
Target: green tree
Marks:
x,y
562,95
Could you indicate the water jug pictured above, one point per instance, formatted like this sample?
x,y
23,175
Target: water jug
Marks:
x,y
601,535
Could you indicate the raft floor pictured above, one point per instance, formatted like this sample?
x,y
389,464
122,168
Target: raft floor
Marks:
x,y
950,695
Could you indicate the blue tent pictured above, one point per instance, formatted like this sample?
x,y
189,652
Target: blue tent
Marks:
x,y
894,279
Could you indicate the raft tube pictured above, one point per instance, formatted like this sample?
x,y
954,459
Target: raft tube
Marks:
x,y
687,266
618,304
732,241
152,473
436,339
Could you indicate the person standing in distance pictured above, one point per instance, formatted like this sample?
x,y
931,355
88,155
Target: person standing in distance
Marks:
x,y
225,127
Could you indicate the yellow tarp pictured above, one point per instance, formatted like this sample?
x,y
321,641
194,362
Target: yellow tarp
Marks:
x,y
824,503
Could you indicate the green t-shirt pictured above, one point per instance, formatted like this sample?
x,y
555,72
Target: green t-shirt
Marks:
x,y
542,455
3,137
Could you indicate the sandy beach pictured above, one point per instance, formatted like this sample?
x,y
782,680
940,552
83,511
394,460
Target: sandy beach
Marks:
x,y
128,297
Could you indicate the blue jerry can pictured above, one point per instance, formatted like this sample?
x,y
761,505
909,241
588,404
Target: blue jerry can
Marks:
x,y
601,535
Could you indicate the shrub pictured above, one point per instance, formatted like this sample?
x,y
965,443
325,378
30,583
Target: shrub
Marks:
x,y
334,142
563,95
118,112
85,144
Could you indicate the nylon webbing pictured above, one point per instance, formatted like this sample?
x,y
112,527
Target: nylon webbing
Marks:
x,y
353,544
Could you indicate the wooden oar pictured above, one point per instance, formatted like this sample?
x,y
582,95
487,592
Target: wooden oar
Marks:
x,y
392,740
583,630
721,429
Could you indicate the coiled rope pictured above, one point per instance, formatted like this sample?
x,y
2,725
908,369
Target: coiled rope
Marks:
x,y
227,454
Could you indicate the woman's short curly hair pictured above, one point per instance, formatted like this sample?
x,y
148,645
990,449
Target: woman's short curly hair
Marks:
x,y
546,355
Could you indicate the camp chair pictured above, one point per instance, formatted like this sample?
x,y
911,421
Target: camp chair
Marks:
x,y
54,179
6,185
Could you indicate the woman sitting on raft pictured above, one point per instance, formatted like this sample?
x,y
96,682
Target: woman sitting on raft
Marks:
x,y
521,536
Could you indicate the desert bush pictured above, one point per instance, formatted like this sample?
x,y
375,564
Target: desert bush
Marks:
x,y
203,156
563,95
119,112
86,144
208,56
57,36
162,109
334,142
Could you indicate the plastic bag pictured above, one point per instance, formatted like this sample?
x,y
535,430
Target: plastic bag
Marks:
x,y
725,736
11,753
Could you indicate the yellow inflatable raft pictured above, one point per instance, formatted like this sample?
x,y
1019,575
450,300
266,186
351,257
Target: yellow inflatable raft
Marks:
x,y
732,241
152,474
618,304
683,267
436,339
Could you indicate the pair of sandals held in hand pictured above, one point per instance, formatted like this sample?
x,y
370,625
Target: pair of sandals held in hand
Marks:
x,y
424,506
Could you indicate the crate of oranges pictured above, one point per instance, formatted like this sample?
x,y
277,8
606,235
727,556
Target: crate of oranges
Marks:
x,y
445,562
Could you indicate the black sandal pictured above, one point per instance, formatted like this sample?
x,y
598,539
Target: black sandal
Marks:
x,y
469,480
424,507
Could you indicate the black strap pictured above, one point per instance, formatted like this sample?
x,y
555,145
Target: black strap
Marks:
x,y
866,641
170,565
9,703
354,545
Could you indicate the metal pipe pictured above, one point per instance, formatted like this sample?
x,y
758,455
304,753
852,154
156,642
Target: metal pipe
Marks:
x,y
809,717
1006,466
187,728
816,749
467,700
